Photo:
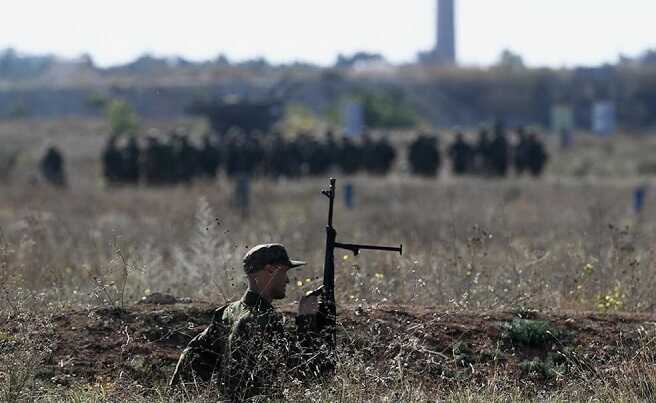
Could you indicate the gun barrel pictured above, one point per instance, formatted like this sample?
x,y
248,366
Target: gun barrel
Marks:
x,y
355,248
330,194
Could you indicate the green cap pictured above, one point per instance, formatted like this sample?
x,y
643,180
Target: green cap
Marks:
x,y
269,253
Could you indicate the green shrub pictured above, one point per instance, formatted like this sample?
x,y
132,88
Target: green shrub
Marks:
x,y
388,110
122,117
530,332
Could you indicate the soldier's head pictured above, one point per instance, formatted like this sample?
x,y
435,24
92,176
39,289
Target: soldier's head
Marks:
x,y
266,267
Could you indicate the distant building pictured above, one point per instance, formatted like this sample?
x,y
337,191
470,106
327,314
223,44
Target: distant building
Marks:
x,y
444,52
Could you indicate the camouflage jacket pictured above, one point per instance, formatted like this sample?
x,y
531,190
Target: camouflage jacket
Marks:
x,y
248,350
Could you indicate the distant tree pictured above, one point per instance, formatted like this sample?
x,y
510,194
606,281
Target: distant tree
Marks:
x,y
257,64
16,66
97,101
122,117
298,118
344,62
388,109
147,63
222,60
18,110
509,60
87,60
648,58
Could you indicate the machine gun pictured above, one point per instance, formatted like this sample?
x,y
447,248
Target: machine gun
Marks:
x,y
328,308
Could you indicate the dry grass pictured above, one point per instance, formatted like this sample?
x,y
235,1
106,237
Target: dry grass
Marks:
x,y
473,243
569,241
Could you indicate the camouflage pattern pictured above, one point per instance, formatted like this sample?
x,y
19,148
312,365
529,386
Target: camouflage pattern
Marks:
x,y
248,350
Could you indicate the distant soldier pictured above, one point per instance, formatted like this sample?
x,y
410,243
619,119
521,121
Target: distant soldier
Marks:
x,y
521,152
462,155
377,156
386,154
153,159
185,157
167,165
424,156
369,158
112,161
233,146
331,148
536,155
499,151
293,159
304,145
318,159
482,157
249,351
52,167
244,155
209,158
130,161
253,155
350,157
275,156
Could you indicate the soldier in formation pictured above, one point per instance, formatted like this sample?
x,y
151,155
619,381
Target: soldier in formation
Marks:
x,y
424,156
175,159
462,156
499,152
52,167
536,155
488,157
249,350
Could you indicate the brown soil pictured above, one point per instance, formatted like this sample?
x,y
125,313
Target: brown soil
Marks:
x,y
143,342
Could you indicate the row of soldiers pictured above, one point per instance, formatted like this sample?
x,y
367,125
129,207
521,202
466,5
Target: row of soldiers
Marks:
x,y
175,159
491,157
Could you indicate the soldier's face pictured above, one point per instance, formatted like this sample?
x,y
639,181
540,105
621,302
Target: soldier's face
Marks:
x,y
279,280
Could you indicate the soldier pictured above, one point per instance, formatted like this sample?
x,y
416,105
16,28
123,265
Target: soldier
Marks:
x,y
130,161
331,149
153,160
536,155
483,159
275,156
369,159
462,155
520,154
350,157
318,160
247,350
112,161
424,156
378,156
52,167
499,151
209,158
185,159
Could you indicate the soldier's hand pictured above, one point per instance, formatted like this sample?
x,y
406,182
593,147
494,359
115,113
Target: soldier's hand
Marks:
x,y
309,304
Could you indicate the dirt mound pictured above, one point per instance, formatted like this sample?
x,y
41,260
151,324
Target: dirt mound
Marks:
x,y
143,341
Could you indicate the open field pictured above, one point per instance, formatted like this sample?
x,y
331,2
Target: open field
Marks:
x,y
446,320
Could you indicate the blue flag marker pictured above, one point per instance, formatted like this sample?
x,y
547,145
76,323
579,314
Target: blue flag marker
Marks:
x,y
639,195
348,195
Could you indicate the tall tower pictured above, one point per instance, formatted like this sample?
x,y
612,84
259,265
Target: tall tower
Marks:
x,y
445,49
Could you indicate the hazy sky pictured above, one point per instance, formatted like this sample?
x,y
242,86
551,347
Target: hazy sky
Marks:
x,y
546,32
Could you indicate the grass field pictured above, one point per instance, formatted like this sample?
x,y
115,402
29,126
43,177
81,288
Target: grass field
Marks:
x,y
499,249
